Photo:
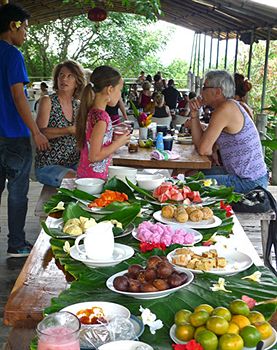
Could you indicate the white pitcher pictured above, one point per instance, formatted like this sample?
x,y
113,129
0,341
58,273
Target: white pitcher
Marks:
x,y
98,242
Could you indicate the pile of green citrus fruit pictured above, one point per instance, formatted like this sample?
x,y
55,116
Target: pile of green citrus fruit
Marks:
x,y
222,328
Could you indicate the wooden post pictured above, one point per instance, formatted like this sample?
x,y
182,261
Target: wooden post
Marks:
x,y
236,53
204,56
211,51
265,69
217,52
274,163
261,123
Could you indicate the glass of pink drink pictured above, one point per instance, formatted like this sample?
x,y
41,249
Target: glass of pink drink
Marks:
x,y
59,331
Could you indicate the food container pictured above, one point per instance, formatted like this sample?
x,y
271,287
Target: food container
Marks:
x,y
90,185
150,181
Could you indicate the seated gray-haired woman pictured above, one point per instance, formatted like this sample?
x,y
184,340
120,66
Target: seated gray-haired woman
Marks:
x,y
232,132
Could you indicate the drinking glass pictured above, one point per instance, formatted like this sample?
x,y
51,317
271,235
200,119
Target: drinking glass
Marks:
x,y
59,331
119,130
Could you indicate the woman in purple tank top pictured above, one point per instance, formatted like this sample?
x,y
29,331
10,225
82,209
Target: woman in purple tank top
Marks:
x,y
232,132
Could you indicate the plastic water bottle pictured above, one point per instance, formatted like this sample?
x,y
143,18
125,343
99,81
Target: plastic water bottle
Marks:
x,y
160,141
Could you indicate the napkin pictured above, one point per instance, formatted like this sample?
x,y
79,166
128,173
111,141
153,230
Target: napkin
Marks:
x,y
163,155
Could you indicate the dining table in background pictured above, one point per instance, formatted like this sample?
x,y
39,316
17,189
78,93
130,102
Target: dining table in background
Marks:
x,y
188,159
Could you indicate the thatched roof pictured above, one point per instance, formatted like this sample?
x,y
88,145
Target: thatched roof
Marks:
x,y
203,16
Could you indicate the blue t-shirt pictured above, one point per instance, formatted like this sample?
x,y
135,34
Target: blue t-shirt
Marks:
x,y
12,71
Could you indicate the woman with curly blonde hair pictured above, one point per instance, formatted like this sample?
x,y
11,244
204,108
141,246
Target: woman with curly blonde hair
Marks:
x,y
56,119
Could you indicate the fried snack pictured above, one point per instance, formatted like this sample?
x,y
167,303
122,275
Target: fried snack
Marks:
x,y
196,215
181,215
168,211
207,213
207,261
191,208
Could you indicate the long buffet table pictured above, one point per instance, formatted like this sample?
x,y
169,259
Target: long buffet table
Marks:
x,y
42,278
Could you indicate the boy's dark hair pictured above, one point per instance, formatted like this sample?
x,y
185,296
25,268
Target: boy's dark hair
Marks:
x,y
9,13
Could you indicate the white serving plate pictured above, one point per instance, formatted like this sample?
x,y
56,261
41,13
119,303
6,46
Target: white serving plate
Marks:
x,y
59,223
148,295
197,235
213,222
236,261
121,252
268,343
124,345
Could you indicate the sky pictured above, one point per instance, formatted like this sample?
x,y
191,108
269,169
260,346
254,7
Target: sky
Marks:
x,y
180,43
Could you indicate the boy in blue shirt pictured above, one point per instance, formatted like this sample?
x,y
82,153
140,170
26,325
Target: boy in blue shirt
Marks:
x,y
16,126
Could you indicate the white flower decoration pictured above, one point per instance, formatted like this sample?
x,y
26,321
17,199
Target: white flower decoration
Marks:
x,y
181,177
149,319
59,206
220,285
66,247
256,277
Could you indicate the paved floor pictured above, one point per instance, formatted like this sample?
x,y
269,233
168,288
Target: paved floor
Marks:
x,y
10,268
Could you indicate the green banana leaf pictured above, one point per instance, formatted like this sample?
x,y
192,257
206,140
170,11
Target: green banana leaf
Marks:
x,y
115,184
90,285
125,214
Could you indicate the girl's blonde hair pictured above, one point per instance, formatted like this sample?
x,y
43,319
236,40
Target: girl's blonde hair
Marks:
x,y
146,85
76,70
159,98
100,78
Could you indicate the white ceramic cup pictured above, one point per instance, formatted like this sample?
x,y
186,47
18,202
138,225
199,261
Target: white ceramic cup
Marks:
x,y
98,242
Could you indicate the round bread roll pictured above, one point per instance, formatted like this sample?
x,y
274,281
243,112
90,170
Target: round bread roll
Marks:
x,y
181,215
191,208
196,215
207,213
168,211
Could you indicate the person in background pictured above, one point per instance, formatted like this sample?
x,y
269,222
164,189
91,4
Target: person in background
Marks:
x,y
133,95
145,95
113,112
161,110
94,131
43,92
56,119
171,95
141,78
43,89
16,126
232,131
242,88
158,83
149,78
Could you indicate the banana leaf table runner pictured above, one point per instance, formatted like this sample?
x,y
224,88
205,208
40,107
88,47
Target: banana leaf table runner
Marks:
x,y
90,284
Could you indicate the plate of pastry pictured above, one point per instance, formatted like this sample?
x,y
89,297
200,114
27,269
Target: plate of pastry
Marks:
x,y
199,259
193,216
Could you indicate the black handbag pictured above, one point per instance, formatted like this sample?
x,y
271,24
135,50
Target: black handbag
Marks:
x,y
255,201
260,200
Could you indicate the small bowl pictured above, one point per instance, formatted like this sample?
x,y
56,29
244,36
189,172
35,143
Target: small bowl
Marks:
x,y
150,182
90,185
121,171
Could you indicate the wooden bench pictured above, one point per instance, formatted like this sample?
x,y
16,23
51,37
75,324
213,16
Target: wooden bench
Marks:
x,y
264,218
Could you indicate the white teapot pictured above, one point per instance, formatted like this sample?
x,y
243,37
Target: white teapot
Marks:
x,y
98,242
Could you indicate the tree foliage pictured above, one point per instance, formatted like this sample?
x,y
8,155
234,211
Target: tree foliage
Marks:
x,y
122,41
